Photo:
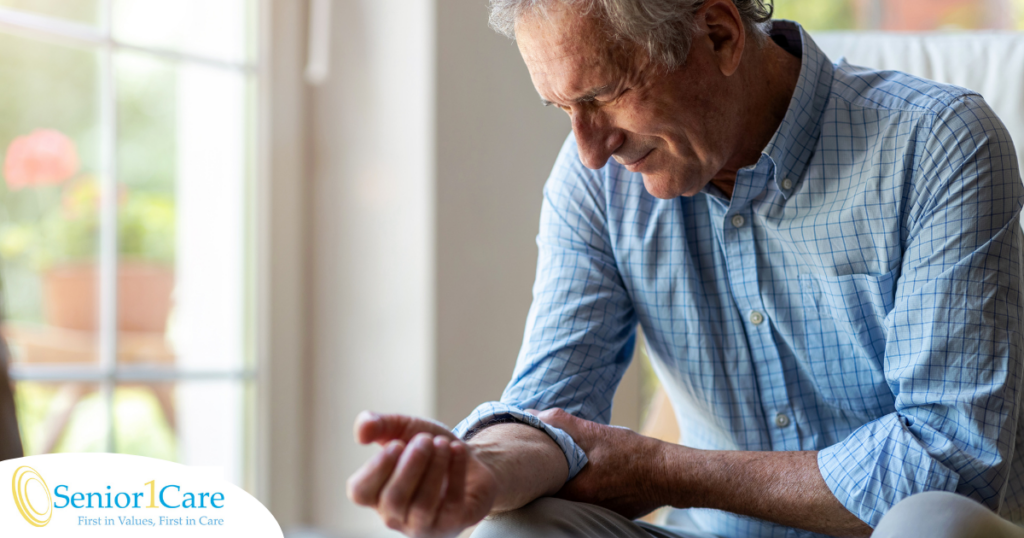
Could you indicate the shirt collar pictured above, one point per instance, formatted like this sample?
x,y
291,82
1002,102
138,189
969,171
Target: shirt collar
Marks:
x,y
793,143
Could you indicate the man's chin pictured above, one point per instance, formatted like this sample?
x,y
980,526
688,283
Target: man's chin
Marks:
x,y
666,188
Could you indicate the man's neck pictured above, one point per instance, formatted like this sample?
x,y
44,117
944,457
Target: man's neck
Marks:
x,y
770,78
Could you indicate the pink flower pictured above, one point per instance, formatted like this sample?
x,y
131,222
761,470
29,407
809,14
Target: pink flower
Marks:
x,y
45,157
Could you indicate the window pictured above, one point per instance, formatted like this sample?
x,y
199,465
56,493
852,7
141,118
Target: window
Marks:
x,y
904,15
127,130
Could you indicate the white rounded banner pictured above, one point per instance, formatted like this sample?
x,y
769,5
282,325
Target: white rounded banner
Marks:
x,y
110,495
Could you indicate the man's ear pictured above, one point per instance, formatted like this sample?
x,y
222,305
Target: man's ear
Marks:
x,y
724,26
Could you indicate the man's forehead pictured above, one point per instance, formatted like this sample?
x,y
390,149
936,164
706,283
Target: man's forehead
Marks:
x,y
572,79
573,60
561,33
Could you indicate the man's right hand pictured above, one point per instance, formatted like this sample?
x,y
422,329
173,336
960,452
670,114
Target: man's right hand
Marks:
x,y
425,482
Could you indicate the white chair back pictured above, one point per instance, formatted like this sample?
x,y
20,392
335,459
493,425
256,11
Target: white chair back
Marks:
x,y
990,63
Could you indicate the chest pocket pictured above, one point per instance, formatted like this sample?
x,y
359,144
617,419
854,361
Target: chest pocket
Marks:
x,y
844,333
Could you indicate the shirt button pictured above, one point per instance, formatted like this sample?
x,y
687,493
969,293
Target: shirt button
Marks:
x,y
781,420
787,183
737,221
756,317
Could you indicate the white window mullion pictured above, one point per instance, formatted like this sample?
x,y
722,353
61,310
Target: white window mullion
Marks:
x,y
73,33
106,9
34,25
108,257
52,373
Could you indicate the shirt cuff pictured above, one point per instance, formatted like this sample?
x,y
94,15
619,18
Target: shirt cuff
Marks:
x,y
492,412
880,464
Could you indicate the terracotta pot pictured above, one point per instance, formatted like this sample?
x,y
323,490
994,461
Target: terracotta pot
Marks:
x,y
71,301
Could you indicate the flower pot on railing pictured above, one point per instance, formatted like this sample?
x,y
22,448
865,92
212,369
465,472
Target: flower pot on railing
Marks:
x,y
71,296
57,230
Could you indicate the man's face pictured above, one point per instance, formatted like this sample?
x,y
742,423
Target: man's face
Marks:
x,y
674,127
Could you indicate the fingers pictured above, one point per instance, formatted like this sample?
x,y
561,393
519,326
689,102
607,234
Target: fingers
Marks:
x,y
456,473
582,431
423,510
365,428
452,514
372,427
364,486
417,483
398,492
555,414
557,417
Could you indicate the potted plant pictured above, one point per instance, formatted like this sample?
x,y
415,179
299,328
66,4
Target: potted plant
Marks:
x,y
60,239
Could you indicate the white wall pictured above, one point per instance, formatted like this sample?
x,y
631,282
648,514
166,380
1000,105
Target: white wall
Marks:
x,y
372,241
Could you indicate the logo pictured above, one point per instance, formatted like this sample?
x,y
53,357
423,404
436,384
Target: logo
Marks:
x,y
120,496
23,478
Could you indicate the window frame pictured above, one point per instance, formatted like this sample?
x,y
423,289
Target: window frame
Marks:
x,y
107,373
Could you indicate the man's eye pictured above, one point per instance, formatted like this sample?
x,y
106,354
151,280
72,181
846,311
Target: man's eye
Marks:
x,y
611,100
619,96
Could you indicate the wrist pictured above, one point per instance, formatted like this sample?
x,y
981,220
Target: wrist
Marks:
x,y
675,484
505,450
657,474
483,454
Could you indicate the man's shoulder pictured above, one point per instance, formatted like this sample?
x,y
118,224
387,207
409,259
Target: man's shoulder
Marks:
x,y
893,91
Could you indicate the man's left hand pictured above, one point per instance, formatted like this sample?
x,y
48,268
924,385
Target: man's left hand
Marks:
x,y
624,468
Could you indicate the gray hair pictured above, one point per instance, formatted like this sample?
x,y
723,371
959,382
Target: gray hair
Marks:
x,y
663,28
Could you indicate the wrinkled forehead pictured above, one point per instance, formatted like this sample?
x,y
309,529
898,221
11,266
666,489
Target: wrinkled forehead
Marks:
x,y
566,51
565,27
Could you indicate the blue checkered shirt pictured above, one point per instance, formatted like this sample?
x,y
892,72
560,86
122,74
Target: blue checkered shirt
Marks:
x,y
858,295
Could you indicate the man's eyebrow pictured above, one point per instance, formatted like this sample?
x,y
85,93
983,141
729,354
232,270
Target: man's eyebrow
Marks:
x,y
585,98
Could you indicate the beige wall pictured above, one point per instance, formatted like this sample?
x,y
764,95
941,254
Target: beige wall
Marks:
x,y
495,147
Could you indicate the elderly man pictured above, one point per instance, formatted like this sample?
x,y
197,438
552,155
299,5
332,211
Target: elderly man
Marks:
x,y
826,261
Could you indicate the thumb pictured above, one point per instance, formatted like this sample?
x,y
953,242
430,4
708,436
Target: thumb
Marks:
x,y
379,428
560,419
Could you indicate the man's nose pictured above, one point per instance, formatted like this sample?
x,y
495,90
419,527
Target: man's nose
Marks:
x,y
596,138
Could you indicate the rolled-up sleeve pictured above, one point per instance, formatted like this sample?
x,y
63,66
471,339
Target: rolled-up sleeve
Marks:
x,y
953,351
581,326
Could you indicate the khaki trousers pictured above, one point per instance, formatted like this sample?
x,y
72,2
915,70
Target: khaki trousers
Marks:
x,y
926,515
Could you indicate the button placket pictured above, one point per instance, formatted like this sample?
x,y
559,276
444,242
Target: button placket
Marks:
x,y
739,234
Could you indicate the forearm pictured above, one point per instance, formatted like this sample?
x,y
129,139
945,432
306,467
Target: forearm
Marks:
x,y
783,487
525,461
